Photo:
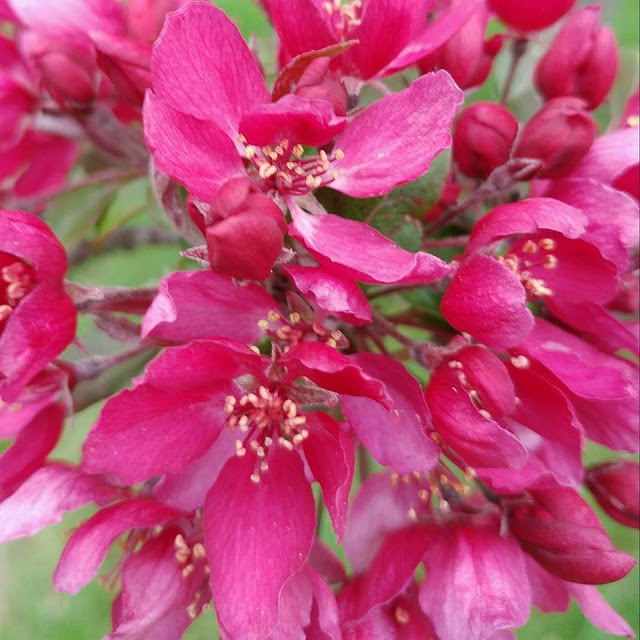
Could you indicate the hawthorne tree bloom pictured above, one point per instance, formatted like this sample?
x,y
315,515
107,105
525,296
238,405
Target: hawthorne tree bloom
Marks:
x,y
356,391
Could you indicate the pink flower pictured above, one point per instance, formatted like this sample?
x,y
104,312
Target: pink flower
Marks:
x,y
526,16
389,143
582,60
37,317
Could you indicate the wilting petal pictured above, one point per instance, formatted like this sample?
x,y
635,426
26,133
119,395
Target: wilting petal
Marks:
x,y
195,153
331,293
397,437
394,140
329,453
475,584
357,251
201,304
301,121
527,217
487,300
267,528
386,27
30,449
87,547
334,371
391,570
45,496
201,66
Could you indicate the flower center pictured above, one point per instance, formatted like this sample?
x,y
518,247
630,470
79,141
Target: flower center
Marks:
x,y
285,168
16,280
264,419
293,329
344,16
532,255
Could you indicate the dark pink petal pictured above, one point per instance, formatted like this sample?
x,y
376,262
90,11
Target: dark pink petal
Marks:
x,y
394,140
434,34
597,610
475,583
294,607
331,293
301,121
326,562
40,328
152,585
202,67
17,104
26,236
386,27
45,496
71,15
195,153
357,251
30,449
267,528
527,217
398,437
487,300
329,453
470,430
301,25
87,547
597,325
146,431
391,570
325,623
332,370
379,508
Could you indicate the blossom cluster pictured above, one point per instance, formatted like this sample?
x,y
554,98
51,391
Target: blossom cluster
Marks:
x,y
412,343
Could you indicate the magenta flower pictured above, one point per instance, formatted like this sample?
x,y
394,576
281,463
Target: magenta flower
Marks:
x,y
37,317
242,131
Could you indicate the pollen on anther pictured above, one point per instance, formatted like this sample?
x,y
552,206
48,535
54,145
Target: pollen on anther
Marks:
x,y
255,478
402,615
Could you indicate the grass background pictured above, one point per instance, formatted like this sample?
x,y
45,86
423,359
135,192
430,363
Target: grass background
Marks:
x,y
29,607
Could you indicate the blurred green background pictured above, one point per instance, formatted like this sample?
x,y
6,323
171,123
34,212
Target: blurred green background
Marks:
x,y
29,607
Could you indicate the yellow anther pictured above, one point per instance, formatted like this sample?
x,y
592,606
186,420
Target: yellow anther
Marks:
x,y
548,244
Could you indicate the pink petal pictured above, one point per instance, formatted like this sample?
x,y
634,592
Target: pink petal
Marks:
x,y
45,496
39,330
331,293
434,34
391,570
201,304
202,67
301,25
301,121
487,300
332,370
195,153
267,528
527,217
394,140
386,27
146,431
329,453
597,610
87,547
398,437
357,251
30,449
475,584
71,15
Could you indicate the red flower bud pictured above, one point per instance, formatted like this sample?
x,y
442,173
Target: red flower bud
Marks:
x,y
318,83
582,60
483,138
559,135
616,487
559,529
530,15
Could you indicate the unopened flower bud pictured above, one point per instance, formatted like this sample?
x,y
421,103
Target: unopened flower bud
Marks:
x,y
483,138
582,60
68,67
530,15
559,135
466,55
318,83
616,487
